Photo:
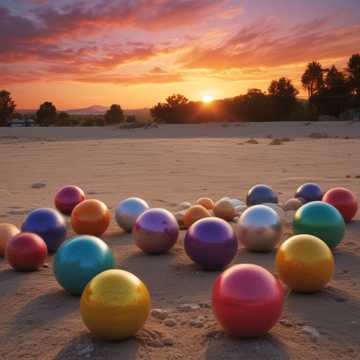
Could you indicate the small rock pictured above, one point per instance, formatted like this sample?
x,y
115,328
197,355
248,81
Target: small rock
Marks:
x,y
168,342
156,343
285,322
86,350
159,314
184,205
214,334
205,305
188,307
38,185
170,322
311,332
197,323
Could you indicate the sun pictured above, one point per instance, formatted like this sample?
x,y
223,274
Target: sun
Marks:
x,y
207,99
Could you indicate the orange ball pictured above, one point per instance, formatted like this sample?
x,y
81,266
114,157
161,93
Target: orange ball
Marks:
x,y
224,209
195,213
7,232
207,203
90,217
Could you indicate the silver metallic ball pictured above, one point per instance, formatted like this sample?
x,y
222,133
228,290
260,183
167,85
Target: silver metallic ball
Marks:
x,y
128,211
259,228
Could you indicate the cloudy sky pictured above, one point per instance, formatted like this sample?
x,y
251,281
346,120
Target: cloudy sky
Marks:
x,y
136,52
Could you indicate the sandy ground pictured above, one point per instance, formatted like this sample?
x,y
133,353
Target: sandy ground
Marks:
x,y
38,320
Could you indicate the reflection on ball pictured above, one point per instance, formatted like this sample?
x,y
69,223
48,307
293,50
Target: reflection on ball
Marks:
x,y
259,228
115,305
91,217
79,259
207,203
224,209
67,198
128,211
322,220
195,213
344,200
26,252
260,194
304,263
156,231
49,224
309,192
247,300
211,243
7,232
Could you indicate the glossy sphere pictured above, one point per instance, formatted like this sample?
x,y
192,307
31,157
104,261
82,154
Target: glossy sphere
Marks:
x,y
115,305
344,200
260,194
91,217
79,259
211,243
26,252
156,231
7,232
67,198
224,209
322,220
309,192
128,211
259,228
49,224
195,213
247,300
207,203
304,263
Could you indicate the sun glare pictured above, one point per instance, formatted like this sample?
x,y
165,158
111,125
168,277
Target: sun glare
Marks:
x,y
207,99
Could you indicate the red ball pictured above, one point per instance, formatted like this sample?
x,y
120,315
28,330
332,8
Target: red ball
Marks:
x,y
247,300
67,198
344,200
26,252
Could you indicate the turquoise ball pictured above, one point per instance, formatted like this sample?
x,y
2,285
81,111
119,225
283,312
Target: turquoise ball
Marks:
x,y
79,259
322,220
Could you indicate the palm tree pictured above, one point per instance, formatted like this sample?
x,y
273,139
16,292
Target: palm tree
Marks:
x,y
313,79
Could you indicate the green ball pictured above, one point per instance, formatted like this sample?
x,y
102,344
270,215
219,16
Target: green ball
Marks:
x,y
322,220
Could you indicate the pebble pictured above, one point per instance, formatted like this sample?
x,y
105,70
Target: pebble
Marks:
x,y
197,323
285,322
188,307
170,322
38,185
168,342
159,314
311,332
184,205
86,350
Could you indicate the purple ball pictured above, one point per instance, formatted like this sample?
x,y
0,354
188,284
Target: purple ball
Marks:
x,y
309,192
156,231
211,243
261,194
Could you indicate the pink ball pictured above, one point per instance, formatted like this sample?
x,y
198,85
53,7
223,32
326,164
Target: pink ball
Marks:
x,y
67,198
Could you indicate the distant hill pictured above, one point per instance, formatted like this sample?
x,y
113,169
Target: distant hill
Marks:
x,y
141,114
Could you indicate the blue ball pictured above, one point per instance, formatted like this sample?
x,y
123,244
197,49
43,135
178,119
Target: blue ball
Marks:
x,y
49,224
260,194
79,259
309,192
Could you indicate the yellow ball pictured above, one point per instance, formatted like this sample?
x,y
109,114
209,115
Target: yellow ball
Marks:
x,y
304,263
115,305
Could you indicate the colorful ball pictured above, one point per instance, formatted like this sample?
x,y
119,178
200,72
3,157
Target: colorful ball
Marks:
x,y
211,243
115,305
26,252
49,224
68,197
322,220
128,211
304,263
79,259
90,217
7,232
344,200
195,213
259,228
309,192
156,231
207,203
247,300
224,209
293,204
260,194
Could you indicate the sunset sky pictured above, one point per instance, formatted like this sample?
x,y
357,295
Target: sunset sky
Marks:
x,y
137,52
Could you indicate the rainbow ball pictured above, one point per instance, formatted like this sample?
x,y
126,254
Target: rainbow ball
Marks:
x,y
211,243
67,198
26,252
79,259
156,231
321,220
49,224
344,200
115,305
247,300
304,263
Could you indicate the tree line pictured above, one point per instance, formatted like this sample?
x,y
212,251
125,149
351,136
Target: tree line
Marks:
x,y
330,92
